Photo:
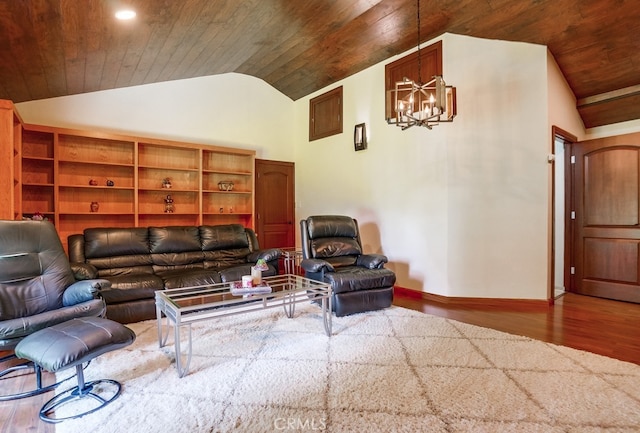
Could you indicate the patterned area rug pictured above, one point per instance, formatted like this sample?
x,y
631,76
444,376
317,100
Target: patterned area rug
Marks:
x,y
394,370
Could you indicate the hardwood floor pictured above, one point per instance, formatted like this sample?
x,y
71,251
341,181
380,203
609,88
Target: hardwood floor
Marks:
x,y
601,326
596,325
22,415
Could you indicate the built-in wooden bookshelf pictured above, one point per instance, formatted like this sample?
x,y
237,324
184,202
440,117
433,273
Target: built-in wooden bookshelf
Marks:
x,y
181,167
10,175
225,206
38,175
58,173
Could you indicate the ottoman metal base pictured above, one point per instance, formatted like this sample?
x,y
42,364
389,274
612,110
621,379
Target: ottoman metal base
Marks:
x,y
102,391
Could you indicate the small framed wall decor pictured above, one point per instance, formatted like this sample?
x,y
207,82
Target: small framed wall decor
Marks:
x,y
360,137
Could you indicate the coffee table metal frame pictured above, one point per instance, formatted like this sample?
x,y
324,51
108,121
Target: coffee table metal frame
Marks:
x,y
184,306
292,257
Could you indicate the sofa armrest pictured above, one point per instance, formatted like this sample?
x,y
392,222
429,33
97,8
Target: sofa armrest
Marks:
x,y
84,271
316,265
83,291
268,255
371,261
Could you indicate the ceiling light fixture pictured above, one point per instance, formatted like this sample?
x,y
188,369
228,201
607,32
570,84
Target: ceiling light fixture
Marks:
x,y
125,14
422,104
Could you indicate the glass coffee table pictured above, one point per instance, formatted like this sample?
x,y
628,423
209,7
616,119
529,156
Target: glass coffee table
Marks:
x,y
184,306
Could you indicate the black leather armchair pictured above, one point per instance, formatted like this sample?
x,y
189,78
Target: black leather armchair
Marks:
x,y
332,253
38,290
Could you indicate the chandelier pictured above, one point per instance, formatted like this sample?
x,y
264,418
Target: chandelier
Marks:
x,y
422,104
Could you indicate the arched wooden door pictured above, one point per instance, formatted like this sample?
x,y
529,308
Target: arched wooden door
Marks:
x,y
275,202
606,218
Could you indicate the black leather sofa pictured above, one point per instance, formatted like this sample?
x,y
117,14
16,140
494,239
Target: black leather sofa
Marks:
x,y
140,260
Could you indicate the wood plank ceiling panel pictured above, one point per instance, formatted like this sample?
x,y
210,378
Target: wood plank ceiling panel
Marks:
x,y
150,47
53,48
169,33
21,73
42,14
205,31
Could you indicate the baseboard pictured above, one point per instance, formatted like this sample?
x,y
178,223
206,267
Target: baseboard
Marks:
x,y
472,302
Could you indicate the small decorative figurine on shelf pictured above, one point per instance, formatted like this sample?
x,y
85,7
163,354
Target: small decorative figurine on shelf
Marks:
x,y
93,182
110,182
94,206
166,182
168,204
230,209
221,210
225,185
37,216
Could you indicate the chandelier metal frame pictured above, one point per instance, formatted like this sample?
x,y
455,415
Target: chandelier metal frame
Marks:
x,y
422,104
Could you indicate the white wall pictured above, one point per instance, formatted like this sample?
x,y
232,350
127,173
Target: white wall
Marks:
x,y
461,210
227,110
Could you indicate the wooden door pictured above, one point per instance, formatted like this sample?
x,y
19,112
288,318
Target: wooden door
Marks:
x,y
606,224
275,199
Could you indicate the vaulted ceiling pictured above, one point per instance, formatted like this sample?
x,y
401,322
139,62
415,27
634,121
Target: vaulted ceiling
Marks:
x,y
53,48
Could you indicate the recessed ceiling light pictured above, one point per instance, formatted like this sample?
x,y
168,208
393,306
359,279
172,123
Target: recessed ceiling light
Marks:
x,y
126,14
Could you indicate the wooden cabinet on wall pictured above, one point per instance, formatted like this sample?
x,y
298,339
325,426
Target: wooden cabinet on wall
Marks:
x,y
81,179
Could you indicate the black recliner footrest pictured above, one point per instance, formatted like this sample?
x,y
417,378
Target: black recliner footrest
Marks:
x,y
71,344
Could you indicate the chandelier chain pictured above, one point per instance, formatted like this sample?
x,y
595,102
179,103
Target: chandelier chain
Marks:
x,y
419,62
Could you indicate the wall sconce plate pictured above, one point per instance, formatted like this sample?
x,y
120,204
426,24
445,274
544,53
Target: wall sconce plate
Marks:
x,y
360,137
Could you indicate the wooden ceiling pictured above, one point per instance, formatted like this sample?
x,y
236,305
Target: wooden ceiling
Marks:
x,y
53,48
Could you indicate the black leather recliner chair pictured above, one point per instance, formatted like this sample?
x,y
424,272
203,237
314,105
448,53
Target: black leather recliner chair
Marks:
x,y
38,290
332,253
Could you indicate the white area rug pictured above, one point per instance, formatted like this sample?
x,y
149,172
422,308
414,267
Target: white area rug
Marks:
x,y
394,370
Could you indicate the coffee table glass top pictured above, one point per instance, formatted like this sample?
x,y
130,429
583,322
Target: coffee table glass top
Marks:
x,y
217,295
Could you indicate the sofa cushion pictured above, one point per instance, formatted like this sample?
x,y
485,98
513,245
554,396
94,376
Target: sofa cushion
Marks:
x,y
175,239
223,259
340,261
323,248
224,246
125,288
141,262
113,242
353,278
108,272
189,278
175,246
190,259
163,270
224,237
329,226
